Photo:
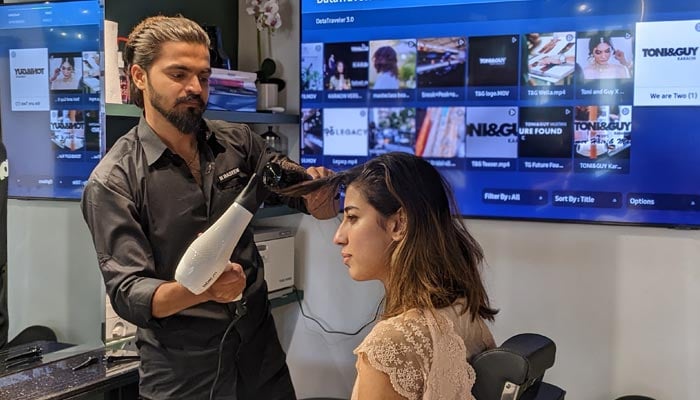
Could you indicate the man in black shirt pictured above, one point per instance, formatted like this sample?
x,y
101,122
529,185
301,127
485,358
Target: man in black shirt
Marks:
x,y
158,187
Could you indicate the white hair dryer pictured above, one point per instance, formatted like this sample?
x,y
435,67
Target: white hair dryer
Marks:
x,y
207,257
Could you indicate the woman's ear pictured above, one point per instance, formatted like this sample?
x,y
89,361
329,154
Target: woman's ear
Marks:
x,y
398,225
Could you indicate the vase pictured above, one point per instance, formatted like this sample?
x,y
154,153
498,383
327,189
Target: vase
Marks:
x,y
267,96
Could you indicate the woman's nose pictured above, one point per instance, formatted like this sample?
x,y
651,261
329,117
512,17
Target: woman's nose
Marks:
x,y
339,237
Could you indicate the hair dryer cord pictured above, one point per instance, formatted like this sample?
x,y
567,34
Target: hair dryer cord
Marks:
x,y
241,311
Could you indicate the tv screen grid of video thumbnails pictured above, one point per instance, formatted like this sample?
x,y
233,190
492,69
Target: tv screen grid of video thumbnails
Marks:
x,y
51,97
544,119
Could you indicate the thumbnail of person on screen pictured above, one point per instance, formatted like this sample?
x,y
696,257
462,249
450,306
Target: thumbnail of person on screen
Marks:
x,y
386,65
600,49
339,81
64,77
91,71
160,185
401,226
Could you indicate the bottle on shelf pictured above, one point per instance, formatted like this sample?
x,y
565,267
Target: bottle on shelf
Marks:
x,y
217,55
276,142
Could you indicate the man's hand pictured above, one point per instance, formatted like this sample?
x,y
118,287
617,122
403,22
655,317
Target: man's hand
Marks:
x,y
323,203
229,285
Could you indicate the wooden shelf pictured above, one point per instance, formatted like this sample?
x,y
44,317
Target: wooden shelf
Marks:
x,y
131,111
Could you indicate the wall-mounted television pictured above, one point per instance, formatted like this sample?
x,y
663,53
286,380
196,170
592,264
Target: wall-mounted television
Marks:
x,y
50,96
556,110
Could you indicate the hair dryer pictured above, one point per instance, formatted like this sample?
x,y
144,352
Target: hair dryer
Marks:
x,y
207,257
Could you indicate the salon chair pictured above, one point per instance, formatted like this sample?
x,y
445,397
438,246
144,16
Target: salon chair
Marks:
x,y
514,370
32,334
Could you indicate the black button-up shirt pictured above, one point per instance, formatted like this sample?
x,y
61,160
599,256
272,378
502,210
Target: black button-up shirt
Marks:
x,y
144,207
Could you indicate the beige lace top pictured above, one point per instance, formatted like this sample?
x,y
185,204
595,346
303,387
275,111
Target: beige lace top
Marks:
x,y
425,353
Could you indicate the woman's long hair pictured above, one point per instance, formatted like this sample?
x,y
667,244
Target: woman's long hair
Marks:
x,y
437,261
385,60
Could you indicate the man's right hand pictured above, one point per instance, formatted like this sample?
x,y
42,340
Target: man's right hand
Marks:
x,y
229,285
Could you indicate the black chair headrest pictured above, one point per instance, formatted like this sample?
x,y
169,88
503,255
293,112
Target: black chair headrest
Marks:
x,y
521,360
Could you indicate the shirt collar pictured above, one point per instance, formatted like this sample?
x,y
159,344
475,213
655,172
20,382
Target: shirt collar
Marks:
x,y
154,148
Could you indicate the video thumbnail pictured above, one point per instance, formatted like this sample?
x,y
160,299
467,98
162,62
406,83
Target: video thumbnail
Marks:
x,y
311,131
65,71
440,132
92,130
605,54
545,132
391,129
312,66
667,56
29,84
442,62
549,58
346,65
602,131
345,132
492,132
91,71
393,64
67,129
493,60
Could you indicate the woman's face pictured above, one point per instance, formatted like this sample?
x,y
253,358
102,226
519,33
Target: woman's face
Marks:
x,y
364,243
67,70
601,53
340,67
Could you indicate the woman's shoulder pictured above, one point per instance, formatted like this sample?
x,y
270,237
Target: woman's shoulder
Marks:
x,y
421,354
409,331
402,348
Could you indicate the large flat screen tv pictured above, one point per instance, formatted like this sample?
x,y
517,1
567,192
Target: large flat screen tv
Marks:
x,y
556,110
50,88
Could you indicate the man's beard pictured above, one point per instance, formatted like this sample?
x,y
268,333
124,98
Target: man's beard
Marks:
x,y
186,121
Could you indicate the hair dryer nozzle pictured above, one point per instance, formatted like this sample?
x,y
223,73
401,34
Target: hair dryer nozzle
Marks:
x,y
282,174
253,194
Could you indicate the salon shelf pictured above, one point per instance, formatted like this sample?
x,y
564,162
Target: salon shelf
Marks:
x,y
287,298
275,211
130,110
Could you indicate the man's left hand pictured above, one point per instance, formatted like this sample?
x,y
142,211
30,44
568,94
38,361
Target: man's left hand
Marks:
x,y
323,203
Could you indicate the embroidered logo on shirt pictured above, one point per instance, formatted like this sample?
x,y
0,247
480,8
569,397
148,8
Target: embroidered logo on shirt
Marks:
x,y
228,175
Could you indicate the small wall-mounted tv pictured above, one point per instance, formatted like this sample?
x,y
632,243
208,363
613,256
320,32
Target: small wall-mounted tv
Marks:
x,y
552,110
50,96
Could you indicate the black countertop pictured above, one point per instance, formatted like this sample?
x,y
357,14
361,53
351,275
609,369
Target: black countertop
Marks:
x,y
57,379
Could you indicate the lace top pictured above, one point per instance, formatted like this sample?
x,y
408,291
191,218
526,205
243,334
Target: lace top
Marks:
x,y
425,353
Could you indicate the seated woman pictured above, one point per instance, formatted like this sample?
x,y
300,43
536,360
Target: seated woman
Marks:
x,y
401,227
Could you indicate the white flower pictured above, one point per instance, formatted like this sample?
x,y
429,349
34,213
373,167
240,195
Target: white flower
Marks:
x,y
271,7
273,20
266,14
